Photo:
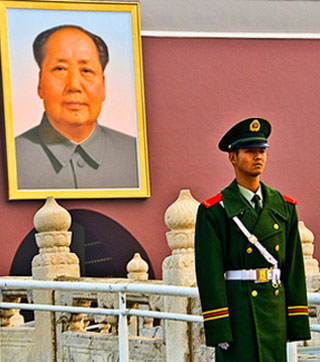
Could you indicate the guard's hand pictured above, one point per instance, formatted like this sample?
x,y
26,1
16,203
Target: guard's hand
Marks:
x,y
224,345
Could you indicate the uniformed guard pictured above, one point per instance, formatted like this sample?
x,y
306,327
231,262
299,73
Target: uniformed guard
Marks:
x,y
249,259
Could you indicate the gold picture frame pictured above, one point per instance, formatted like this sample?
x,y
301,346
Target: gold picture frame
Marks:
x,y
29,176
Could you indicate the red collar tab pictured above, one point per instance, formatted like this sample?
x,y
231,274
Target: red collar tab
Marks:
x,y
213,200
290,199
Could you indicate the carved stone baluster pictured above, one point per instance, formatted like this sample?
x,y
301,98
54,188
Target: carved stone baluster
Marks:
x,y
77,322
312,275
307,238
112,320
147,322
137,269
54,259
109,323
10,317
104,326
178,269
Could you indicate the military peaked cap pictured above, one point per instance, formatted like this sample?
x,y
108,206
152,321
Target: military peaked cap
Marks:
x,y
251,132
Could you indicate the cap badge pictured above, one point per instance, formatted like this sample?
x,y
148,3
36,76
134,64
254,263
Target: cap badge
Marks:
x,y
255,126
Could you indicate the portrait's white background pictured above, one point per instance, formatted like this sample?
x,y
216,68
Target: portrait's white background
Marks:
x,y
119,108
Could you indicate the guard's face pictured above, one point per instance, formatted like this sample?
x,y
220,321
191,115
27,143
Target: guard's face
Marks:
x,y
71,80
249,161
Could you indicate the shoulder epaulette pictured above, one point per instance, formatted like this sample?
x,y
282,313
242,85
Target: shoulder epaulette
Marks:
x,y
290,199
213,200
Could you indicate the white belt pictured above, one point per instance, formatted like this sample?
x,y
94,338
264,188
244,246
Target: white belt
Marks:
x,y
258,275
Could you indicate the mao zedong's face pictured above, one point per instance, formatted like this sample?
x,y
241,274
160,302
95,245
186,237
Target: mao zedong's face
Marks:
x,y
71,81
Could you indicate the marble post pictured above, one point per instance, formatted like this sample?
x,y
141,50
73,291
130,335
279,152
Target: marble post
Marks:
x,y
178,269
54,259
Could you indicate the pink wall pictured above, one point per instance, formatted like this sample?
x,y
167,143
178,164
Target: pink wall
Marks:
x,y
195,90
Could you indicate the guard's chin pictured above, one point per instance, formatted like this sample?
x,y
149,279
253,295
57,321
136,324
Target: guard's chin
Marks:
x,y
256,173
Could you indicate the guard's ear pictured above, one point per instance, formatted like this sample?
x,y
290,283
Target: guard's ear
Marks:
x,y
232,157
40,93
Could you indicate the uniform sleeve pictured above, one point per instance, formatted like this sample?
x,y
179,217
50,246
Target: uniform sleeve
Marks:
x,y
210,278
293,278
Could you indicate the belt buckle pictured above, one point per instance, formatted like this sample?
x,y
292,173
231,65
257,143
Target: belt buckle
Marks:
x,y
261,276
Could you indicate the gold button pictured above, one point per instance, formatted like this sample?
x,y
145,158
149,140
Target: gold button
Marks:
x,y
249,250
276,226
254,293
277,247
276,292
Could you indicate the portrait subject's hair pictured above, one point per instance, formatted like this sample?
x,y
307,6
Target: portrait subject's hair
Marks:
x,y
40,42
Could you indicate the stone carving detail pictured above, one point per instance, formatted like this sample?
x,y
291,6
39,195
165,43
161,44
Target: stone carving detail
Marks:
x,y
54,259
137,268
109,323
10,317
182,213
180,217
73,322
178,269
51,217
307,238
78,322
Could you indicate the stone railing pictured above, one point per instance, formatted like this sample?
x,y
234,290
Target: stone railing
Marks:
x,y
94,337
79,337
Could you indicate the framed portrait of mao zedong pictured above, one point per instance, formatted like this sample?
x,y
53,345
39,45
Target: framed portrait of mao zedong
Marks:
x,y
73,99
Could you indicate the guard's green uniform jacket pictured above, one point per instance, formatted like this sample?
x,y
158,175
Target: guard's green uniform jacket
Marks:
x,y
257,319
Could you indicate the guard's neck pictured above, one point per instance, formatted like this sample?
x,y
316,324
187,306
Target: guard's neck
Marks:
x,y
251,184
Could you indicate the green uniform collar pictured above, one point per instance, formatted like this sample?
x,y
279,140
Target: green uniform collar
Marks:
x,y
235,203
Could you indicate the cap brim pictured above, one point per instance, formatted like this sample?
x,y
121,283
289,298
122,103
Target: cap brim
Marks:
x,y
251,142
255,145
